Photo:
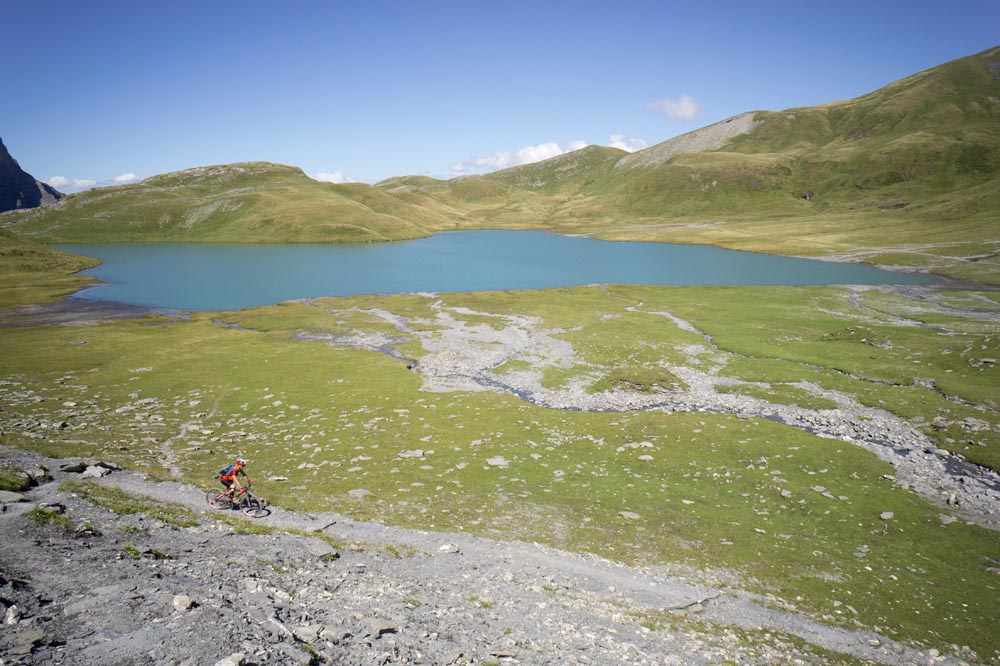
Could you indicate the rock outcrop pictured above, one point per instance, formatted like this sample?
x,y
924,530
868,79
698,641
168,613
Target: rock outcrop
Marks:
x,y
19,189
701,140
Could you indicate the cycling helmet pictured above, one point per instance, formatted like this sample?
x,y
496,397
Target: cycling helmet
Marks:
x,y
241,462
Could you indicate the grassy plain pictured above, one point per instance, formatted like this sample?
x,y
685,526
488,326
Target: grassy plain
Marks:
x,y
177,398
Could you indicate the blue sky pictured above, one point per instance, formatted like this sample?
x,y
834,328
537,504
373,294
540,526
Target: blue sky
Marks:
x,y
99,92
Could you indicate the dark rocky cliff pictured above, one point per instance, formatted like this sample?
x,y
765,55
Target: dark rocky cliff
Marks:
x,y
19,189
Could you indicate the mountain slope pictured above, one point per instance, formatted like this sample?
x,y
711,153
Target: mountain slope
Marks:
x,y
248,202
19,189
701,140
912,164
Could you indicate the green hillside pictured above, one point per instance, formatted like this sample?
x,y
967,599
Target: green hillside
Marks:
x,y
30,272
247,202
904,175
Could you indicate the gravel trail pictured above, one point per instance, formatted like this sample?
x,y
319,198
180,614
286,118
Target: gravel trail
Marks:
x,y
130,589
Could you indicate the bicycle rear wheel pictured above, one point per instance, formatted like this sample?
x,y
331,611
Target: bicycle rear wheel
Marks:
x,y
253,506
217,499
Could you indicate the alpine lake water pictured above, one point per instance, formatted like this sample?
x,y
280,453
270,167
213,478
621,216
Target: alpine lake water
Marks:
x,y
224,276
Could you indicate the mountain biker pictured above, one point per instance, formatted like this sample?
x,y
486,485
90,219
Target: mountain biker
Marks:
x,y
230,477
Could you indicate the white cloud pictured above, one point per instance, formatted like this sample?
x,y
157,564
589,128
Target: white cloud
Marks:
x,y
127,177
542,151
685,108
626,143
503,159
332,177
493,161
76,184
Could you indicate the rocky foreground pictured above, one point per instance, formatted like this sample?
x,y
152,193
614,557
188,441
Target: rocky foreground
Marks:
x,y
81,584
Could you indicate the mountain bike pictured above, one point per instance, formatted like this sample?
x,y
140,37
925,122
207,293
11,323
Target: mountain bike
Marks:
x,y
243,499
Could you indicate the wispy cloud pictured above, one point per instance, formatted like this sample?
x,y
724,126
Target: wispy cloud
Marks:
x,y
503,159
684,108
73,185
623,142
65,184
332,177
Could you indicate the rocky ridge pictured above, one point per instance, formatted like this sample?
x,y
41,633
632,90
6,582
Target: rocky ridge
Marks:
x,y
19,189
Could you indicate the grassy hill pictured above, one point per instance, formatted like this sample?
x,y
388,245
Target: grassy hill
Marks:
x,y
31,272
909,172
247,202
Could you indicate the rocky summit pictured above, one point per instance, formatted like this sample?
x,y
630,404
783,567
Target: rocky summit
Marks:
x,y
19,189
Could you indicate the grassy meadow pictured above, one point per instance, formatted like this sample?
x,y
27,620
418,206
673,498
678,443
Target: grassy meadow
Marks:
x,y
715,491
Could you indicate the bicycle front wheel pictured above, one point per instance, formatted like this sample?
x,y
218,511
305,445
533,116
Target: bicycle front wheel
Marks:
x,y
253,506
217,499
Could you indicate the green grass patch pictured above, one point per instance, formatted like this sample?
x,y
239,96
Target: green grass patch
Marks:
x,y
14,479
641,380
781,394
41,516
122,503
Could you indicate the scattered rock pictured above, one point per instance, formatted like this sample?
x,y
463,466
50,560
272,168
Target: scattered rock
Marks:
x,y
10,497
308,633
449,548
377,627
235,659
629,515
292,654
415,453
26,641
887,515
13,615
95,471
358,493
498,461
182,602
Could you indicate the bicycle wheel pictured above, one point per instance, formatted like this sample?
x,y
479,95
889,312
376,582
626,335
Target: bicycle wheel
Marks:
x,y
253,506
217,499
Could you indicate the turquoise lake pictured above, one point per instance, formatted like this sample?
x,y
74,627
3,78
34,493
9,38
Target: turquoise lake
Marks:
x,y
214,276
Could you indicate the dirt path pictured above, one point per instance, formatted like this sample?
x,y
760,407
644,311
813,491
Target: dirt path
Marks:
x,y
115,593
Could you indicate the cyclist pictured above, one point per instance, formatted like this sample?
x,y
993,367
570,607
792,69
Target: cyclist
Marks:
x,y
230,477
